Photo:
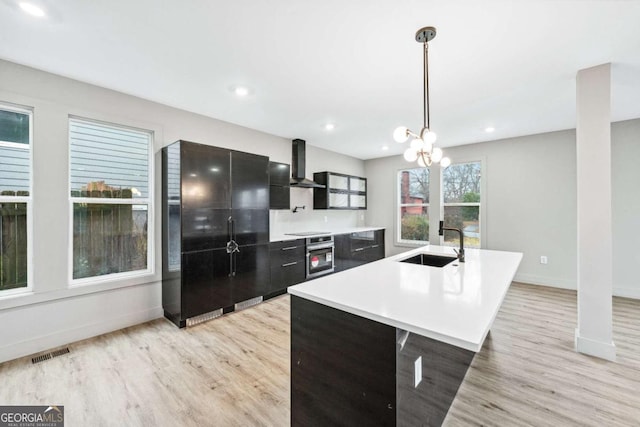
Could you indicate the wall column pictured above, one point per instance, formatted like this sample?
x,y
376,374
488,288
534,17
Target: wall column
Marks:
x,y
594,334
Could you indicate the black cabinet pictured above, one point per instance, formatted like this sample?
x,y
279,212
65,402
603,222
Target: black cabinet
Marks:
x,y
358,248
205,278
279,195
205,175
251,272
213,200
340,192
287,264
249,181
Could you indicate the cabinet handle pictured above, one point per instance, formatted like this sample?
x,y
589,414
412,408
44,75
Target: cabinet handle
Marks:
x,y
289,264
358,249
375,246
289,248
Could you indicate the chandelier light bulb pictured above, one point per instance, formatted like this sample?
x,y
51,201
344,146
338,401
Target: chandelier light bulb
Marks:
x,y
430,136
421,161
436,155
428,147
410,155
417,144
445,162
400,135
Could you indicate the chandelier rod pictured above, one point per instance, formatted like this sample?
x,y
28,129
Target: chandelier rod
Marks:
x,y
426,122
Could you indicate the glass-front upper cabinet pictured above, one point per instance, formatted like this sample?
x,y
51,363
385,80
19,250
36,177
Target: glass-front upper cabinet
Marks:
x,y
357,184
341,191
338,182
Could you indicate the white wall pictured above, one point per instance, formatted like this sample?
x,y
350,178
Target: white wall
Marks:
x,y
55,314
625,179
530,202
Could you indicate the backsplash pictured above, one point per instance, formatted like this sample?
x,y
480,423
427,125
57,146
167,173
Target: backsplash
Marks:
x,y
308,219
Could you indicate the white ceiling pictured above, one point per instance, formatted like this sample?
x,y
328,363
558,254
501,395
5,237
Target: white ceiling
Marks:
x,y
510,64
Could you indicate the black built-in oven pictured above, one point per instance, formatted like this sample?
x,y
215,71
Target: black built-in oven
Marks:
x,y
319,256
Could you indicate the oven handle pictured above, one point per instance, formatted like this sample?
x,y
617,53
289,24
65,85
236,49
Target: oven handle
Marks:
x,y
320,246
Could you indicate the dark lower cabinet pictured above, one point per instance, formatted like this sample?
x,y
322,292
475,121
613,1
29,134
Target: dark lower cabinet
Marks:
x,y
350,371
287,264
250,267
205,278
355,249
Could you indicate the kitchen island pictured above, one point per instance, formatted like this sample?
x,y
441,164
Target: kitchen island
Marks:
x,y
389,343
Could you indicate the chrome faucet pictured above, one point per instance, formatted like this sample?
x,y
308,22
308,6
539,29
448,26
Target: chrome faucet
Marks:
x,y
460,252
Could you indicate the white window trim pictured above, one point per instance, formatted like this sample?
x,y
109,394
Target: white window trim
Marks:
x,y
483,198
22,199
117,279
16,144
397,218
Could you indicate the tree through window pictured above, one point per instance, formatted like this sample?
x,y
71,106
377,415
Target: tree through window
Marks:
x,y
461,202
413,216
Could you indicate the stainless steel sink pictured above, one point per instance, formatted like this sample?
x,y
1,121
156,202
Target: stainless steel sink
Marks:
x,y
430,260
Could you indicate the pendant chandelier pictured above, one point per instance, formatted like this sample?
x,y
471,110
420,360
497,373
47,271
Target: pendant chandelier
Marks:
x,y
421,148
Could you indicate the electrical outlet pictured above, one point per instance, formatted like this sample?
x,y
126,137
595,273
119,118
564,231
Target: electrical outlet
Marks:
x,y
326,219
417,371
543,259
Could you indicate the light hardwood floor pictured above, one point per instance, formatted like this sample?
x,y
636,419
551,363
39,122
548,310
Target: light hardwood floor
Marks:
x,y
234,371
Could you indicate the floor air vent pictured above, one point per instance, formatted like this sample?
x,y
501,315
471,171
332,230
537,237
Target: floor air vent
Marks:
x,y
248,303
192,321
50,355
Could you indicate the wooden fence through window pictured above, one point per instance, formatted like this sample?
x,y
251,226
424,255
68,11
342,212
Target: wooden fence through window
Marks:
x,y
13,245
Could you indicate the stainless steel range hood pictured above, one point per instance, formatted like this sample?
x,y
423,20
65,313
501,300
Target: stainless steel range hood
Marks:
x,y
298,167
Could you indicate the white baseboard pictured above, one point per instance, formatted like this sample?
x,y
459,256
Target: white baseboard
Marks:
x,y
60,338
545,281
603,350
626,292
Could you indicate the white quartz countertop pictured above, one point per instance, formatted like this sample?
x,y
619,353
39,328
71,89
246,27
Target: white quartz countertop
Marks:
x,y
321,232
455,304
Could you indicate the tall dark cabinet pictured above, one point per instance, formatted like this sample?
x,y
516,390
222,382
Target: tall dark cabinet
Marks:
x,y
215,230
279,176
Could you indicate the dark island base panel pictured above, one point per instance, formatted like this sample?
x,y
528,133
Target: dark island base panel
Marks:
x,y
443,369
343,371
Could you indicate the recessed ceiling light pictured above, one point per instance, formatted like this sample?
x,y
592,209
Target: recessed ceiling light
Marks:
x,y
32,9
329,126
489,129
385,148
241,91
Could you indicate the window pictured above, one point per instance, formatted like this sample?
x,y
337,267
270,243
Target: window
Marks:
x,y
110,199
413,203
15,196
461,202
